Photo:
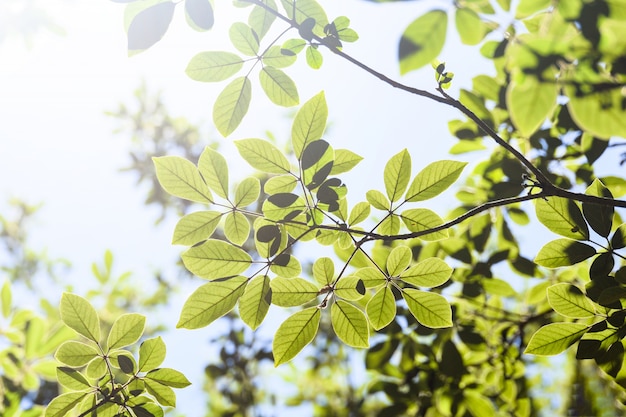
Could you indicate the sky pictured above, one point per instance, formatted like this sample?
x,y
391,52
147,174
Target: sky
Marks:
x,y
57,146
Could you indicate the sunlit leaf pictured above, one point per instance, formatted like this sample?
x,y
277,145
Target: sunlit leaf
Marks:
x,y
278,87
216,259
350,324
430,309
431,272
397,175
210,302
232,105
359,212
181,178
294,334
244,39
286,266
262,155
470,26
74,353
478,404
255,301
236,227
562,216
309,123
569,301
214,169
434,179
423,40
196,227
168,377
290,292
126,330
72,379
247,192
260,19
162,393
381,308
213,66
278,57
80,315
554,338
6,298
421,220
350,288
378,200
151,354
530,102
399,260
62,405
345,160
563,252
314,57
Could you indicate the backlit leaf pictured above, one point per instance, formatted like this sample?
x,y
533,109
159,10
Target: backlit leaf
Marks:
x,y
431,272
359,212
278,57
213,66
350,288
470,26
6,299
181,178
420,220
563,252
371,277
244,39
62,405
80,315
562,216
216,259
430,309
72,379
162,393
74,353
260,20
599,113
278,87
350,324
399,260
554,338
314,57
262,155
236,227
168,377
423,40
196,227
345,160
232,105
530,103
324,271
210,302
569,301
126,330
286,266
214,169
381,308
294,334
434,179
290,292
151,354
397,175
378,200
255,301
309,123
247,192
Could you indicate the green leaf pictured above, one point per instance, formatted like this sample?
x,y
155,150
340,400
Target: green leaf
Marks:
x,y
397,175
260,20
434,179
470,26
305,9
5,299
280,184
216,259
210,302
618,240
314,57
554,338
563,252
126,330
97,368
430,309
236,227
214,169
162,393
309,123
378,200
262,155
423,40
600,113
72,379
62,405
324,271
232,105
278,57
350,288
350,324
74,353
562,216
499,287
79,315
316,163
284,206
600,218
244,39
568,300
168,377
151,354
381,308
389,226
345,160
528,7
294,334
399,260
530,103
255,301
431,272
181,178
213,66
478,404
286,266
278,87
420,220
371,277
359,212
196,227
247,192
290,292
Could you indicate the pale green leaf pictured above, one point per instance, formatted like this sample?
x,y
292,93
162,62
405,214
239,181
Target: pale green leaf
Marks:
x,y
255,301
244,39
563,252
62,405
294,334
290,292
422,220
236,227
399,260
381,308
434,179
278,87
195,227
247,192
423,40
430,309
168,377
162,393
72,379
600,113
5,299
181,178
530,103
151,354
232,105
260,19
568,300
286,266
562,216
212,66
216,259
97,368
324,271
278,57
350,324
283,206
359,212
397,175
389,226
126,330
74,353
262,155
554,338
371,277
478,404
210,302
280,184
80,315
314,57
345,160
378,200
469,26
431,272
214,169
528,7
350,288
309,123
307,9
498,287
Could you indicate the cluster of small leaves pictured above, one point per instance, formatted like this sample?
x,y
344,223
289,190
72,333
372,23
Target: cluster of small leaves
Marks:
x,y
304,204
112,382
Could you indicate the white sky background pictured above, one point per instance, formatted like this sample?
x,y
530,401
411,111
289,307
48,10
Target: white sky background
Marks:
x,y
57,146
